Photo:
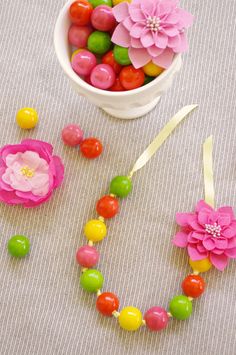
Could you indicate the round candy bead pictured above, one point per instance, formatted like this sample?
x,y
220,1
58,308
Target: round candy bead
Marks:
x,y
148,79
116,2
95,230
130,318
103,19
96,3
152,69
76,52
117,86
72,135
80,12
131,78
200,265
99,42
103,76
84,62
107,303
27,118
78,35
181,307
121,55
87,256
108,58
156,318
193,286
121,186
91,148
107,207
91,280
18,246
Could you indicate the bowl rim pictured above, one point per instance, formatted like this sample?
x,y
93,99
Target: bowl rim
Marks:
x,y
80,82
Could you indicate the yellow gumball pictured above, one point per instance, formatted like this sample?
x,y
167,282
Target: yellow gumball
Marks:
x,y
27,118
95,230
76,52
152,69
130,318
116,2
200,265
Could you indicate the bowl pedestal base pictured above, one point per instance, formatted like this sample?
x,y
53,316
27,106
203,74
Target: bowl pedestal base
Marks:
x,y
132,113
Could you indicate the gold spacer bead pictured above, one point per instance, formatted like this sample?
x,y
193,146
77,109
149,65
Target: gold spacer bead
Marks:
x,y
190,299
144,323
84,269
116,314
90,243
99,293
169,315
100,218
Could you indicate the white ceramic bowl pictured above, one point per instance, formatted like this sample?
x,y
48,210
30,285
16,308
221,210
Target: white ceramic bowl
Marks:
x,y
127,104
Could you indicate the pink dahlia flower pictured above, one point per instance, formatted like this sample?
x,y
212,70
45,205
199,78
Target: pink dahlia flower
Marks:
x,y
153,30
29,173
208,233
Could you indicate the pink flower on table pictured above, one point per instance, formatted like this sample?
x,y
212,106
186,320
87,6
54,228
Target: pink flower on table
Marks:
x,y
208,233
29,173
153,30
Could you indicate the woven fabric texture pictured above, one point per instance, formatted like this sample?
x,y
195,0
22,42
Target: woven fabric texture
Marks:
x,y
43,311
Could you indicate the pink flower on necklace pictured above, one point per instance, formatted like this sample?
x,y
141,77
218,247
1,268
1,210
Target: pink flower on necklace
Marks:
x,y
153,30
29,173
208,233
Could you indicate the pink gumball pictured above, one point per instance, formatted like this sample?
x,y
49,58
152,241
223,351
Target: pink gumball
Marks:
x,y
87,256
103,19
84,62
78,35
72,135
103,76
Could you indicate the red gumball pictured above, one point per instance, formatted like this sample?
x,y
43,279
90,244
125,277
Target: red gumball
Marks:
x,y
117,86
78,35
193,286
131,78
107,303
109,59
91,148
103,19
80,12
107,206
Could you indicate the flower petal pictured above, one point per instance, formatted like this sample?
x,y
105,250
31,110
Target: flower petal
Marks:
x,y
165,59
195,254
203,217
183,44
183,219
180,239
209,243
154,51
161,39
170,31
221,243
229,231
202,204
121,36
185,18
121,11
148,7
227,210
219,261
198,235
231,253
174,41
57,168
136,14
136,30
147,39
136,43
128,23
139,57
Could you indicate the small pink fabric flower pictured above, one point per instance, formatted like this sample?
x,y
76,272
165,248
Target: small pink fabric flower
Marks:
x,y
29,173
208,233
153,30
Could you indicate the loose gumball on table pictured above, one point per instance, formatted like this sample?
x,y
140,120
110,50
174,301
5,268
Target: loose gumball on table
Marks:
x,y
18,246
72,135
27,118
91,148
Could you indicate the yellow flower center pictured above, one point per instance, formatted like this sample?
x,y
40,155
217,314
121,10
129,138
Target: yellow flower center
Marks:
x,y
26,171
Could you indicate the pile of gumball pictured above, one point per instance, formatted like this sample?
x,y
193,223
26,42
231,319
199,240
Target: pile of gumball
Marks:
x,y
95,58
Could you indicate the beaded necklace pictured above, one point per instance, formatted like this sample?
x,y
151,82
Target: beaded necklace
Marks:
x,y
91,280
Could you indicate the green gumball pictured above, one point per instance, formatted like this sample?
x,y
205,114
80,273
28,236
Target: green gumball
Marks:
x,y
181,307
121,55
91,280
96,3
99,42
18,246
121,186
